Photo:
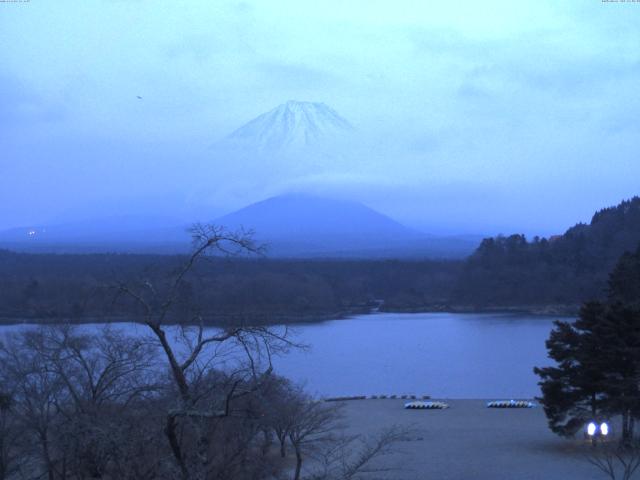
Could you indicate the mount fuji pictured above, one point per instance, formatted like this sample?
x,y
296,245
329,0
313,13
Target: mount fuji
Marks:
x,y
291,127
295,144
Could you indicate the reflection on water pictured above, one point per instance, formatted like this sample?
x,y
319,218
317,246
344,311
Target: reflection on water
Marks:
x,y
440,354
446,355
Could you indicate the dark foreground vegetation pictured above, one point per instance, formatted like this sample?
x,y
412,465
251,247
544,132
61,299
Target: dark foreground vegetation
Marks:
x,y
598,359
545,275
108,406
595,379
180,402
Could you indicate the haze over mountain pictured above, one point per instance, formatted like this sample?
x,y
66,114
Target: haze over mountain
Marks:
x,y
306,225
471,116
124,233
292,225
299,222
296,145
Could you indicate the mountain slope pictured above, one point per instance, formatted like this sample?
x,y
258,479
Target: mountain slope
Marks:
x,y
295,215
567,269
299,225
294,225
291,146
291,126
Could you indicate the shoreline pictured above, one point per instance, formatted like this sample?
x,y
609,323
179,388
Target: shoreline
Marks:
x,y
287,319
470,441
546,310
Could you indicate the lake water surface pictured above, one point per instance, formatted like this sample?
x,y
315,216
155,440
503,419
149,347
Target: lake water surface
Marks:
x,y
440,354
445,355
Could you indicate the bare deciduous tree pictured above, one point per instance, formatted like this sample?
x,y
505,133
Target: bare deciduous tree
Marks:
x,y
312,425
315,432
98,403
10,436
349,457
69,393
619,461
190,358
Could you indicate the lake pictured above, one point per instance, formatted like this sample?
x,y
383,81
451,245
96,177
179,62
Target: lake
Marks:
x,y
445,355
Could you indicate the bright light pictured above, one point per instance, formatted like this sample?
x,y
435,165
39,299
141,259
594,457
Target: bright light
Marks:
x,y
591,429
604,429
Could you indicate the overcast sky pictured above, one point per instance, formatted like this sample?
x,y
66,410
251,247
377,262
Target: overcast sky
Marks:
x,y
500,116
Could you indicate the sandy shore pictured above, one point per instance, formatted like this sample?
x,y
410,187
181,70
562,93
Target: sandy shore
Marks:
x,y
469,441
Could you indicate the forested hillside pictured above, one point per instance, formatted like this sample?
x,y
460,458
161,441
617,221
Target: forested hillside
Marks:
x,y
564,270
84,287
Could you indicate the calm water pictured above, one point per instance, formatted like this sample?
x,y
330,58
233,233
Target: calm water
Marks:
x,y
440,354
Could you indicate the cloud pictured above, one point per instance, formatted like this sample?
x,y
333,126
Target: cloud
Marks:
x,y
454,97
196,47
20,104
424,143
298,76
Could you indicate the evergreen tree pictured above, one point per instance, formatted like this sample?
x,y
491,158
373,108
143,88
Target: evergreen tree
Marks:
x,y
619,333
624,280
563,271
573,392
598,359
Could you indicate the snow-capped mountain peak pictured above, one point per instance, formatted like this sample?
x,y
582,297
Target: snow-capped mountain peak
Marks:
x,y
290,126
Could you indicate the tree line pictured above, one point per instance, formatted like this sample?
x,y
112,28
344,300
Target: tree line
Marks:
x,y
80,288
562,270
503,273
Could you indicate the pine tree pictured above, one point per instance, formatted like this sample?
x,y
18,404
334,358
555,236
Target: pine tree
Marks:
x,y
573,392
624,280
598,359
619,333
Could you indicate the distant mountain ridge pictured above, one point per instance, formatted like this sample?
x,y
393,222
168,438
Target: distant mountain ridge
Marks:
x,y
293,214
295,224
125,233
301,225
292,225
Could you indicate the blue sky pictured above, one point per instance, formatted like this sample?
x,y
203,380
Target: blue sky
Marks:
x,y
493,116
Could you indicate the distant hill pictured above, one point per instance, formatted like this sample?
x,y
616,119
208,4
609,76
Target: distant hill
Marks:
x,y
316,219
565,269
544,275
299,225
295,225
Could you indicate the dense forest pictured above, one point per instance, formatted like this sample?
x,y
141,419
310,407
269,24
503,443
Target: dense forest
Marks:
x,y
555,274
564,270
84,287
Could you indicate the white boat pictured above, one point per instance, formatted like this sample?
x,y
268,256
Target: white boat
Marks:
x,y
419,405
510,404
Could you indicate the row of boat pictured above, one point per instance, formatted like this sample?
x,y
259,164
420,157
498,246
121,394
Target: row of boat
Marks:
x,y
418,405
